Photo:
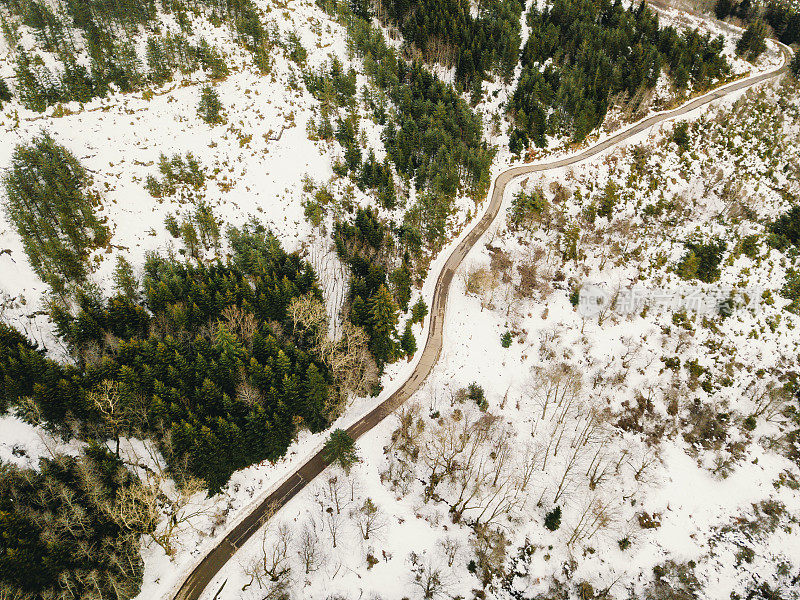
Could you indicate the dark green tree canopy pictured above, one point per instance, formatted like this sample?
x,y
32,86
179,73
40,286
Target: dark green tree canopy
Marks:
x,y
49,203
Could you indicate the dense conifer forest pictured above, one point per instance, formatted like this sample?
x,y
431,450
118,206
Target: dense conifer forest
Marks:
x,y
447,33
595,50
782,17
204,358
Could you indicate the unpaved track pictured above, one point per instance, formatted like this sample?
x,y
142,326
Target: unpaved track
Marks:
x,y
205,571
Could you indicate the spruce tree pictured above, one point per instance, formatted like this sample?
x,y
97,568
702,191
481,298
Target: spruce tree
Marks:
x,y
408,343
340,448
382,321
210,107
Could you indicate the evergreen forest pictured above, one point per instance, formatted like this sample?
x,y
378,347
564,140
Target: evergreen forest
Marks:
x,y
598,52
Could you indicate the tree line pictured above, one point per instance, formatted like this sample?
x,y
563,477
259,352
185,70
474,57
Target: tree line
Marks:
x,y
448,33
107,33
595,50
782,17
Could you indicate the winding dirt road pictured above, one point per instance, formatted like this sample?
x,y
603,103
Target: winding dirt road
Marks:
x,y
204,572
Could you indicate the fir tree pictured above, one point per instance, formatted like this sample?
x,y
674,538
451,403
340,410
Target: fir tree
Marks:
x,y
419,311
552,520
210,107
382,322
124,280
408,343
340,448
401,278
5,93
315,398
752,43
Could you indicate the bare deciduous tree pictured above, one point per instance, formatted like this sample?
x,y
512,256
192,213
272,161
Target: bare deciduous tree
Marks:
x,y
428,578
348,357
160,505
450,547
308,549
271,568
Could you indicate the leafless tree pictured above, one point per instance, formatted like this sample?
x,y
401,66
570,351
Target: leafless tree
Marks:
x,y
271,568
428,578
308,549
767,399
596,514
450,547
333,523
347,357
240,322
160,504
114,417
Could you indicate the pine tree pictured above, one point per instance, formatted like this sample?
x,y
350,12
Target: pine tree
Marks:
x,y
340,448
316,396
48,202
35,86
210,107
157,62
382,320
408,343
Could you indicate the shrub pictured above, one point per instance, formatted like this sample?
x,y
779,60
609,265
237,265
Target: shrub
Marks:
x,y
477,395
552,520
505,340
680,135
785,229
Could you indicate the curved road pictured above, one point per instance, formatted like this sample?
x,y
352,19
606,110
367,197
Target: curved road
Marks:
x,y
204,572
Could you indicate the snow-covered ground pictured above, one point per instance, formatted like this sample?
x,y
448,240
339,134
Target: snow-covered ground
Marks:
x,y
251,173
662,491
